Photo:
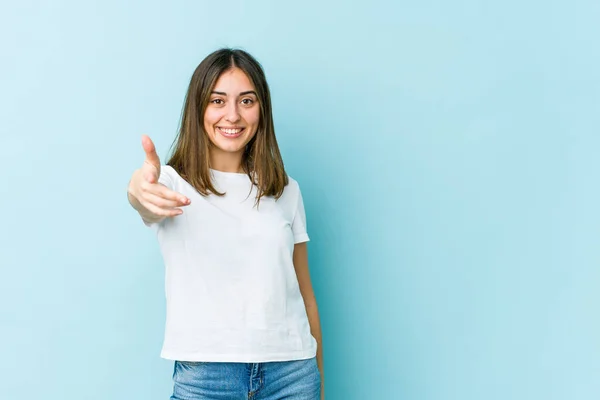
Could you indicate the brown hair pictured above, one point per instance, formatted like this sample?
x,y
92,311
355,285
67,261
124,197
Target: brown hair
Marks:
x,y
261,159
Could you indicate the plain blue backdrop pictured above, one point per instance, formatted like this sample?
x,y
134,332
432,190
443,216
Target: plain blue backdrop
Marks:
x,y
448,154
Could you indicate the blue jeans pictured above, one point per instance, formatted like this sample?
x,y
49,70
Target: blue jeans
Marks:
x,y
290,380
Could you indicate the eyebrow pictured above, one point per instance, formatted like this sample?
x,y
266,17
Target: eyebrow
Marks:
x,y
241,94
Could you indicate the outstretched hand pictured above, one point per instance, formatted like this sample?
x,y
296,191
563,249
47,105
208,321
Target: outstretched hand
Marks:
x,y
156,198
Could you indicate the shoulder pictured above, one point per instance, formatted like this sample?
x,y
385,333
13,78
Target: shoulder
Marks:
x,y
293,187
292,193
169,172
292,182
167,169
168,176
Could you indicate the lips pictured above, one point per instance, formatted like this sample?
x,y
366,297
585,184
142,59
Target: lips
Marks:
x,y
230,132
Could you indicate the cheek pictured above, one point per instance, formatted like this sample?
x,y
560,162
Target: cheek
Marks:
x,y
252,116
211,117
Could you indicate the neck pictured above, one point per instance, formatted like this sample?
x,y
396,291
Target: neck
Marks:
x,y
225,161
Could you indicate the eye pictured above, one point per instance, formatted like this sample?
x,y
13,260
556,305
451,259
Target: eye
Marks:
x,y
248,102
217,101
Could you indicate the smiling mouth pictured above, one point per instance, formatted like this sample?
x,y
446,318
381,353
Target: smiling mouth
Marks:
x,y
230,132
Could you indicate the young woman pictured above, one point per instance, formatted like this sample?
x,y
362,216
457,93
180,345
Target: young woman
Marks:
x,y
242,319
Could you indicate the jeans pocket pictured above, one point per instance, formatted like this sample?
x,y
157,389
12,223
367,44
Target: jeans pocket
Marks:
x,y
188,371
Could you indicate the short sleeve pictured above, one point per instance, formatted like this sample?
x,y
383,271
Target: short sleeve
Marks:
x,y
299,223
165,179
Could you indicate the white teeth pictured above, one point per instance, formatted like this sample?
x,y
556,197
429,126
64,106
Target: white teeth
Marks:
x,y
231,131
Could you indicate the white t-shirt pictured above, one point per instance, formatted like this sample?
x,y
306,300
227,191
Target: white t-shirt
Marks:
x,y
232,293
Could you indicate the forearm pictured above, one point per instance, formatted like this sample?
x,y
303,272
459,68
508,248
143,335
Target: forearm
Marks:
x,y
312,312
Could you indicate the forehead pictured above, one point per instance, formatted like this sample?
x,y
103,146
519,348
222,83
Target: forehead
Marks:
x,y
233,80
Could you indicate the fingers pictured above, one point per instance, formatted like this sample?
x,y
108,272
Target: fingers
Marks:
x,y
164,192
162,212
151,167
162,201
160,206
152,158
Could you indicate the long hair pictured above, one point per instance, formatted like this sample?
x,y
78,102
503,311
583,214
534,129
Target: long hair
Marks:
x,y
261,159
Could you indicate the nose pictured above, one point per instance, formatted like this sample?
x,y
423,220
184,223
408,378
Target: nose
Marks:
x,y
232,113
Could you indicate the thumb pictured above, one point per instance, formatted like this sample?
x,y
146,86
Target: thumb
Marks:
x,y
152,162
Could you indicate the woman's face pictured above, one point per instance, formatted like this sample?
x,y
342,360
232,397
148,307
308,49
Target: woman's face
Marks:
x,y
233,113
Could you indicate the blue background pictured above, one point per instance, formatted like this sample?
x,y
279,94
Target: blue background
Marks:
x,y
448,157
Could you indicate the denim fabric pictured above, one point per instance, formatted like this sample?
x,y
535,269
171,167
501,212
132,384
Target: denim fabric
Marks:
x,y
290,380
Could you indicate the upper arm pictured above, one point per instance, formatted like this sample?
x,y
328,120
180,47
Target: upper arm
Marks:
x,y
303,274
300,256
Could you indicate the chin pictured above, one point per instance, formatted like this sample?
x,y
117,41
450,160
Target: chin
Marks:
x,y
229,147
